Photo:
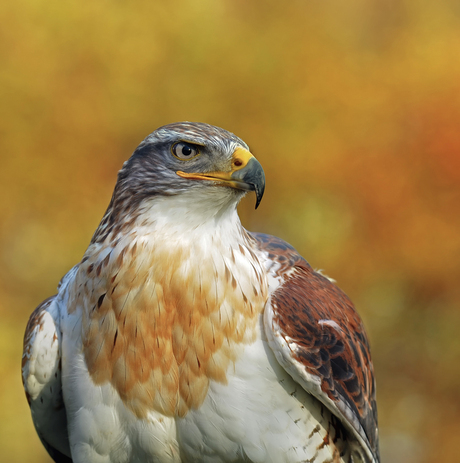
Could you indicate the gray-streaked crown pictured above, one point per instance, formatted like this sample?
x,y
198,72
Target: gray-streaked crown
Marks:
x,y
205,134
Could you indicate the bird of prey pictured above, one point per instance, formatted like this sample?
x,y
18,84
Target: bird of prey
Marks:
x,y
182,337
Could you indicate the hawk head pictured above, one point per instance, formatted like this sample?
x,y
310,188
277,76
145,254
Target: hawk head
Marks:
x,y
191,164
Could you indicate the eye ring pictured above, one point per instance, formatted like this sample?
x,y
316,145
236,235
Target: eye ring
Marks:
x,y
184,151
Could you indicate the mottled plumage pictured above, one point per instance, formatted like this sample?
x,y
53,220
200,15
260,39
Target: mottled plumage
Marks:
x,y
181,337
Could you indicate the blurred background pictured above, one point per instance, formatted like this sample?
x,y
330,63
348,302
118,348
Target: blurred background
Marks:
x,y
353,109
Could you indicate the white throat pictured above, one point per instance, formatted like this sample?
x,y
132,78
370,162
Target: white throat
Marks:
x,y
192,219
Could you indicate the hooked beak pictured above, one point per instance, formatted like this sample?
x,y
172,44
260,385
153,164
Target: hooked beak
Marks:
x,y
246,174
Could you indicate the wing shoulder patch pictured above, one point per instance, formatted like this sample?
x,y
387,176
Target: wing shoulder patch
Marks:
x,y
41,375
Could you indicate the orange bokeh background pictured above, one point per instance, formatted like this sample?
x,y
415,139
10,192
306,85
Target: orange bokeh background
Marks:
x,y
353,109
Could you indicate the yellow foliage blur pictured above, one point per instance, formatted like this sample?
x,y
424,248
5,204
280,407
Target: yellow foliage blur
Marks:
x,y
353,109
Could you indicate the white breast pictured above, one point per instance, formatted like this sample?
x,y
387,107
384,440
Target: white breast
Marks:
x,y
256,413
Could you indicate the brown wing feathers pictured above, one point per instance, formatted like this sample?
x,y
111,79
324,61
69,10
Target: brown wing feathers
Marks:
x,y
329,335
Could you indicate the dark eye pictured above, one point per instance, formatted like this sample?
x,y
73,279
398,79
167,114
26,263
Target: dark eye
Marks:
x,y
184,150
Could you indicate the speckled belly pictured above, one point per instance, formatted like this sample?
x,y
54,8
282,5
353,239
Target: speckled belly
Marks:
x,y
261,415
